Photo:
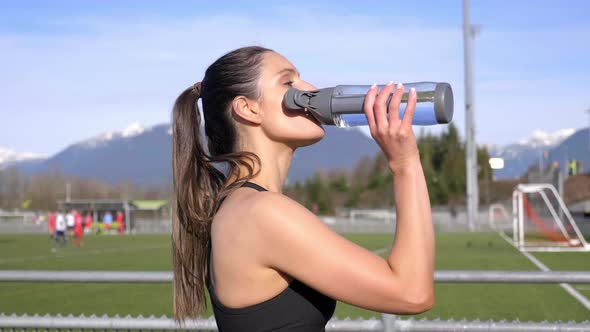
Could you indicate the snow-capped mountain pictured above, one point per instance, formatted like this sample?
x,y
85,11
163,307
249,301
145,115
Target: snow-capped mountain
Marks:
x,y
136,153
8,157
143,155
541,139
537,148
132,130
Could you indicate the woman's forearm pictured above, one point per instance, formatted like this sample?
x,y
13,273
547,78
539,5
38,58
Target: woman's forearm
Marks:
x,y
412,254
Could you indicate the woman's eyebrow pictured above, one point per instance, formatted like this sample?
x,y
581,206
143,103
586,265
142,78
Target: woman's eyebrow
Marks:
x,y
288,70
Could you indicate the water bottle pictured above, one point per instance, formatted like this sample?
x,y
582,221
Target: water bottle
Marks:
x,y
342,105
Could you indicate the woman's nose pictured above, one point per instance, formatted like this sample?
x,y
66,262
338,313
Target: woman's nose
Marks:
x,y
306,86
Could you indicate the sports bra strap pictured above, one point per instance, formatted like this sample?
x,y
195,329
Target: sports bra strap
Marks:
x,y
253,185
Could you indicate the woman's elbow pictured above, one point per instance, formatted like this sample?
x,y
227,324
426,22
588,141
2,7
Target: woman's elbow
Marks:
x,y
421,302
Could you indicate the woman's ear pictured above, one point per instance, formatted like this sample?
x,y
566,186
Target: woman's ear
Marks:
x,y
246,109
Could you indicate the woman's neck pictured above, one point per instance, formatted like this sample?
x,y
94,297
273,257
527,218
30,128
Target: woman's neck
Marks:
x,y
274,167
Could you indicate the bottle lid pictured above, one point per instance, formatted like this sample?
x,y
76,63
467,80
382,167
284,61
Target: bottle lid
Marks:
x,y
443,102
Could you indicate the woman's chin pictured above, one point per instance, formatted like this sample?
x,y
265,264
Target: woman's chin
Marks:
x,y
313,136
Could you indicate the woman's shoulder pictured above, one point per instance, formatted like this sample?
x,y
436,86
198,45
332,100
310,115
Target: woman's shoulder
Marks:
x,y
250,218
264,210
245,203
277,215
267,203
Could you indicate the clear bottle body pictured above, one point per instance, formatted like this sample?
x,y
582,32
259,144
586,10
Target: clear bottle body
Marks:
x,y
346,115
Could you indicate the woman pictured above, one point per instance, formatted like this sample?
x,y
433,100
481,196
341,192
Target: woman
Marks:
x,y
268,262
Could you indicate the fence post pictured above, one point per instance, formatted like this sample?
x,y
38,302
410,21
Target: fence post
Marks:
x,y
388,322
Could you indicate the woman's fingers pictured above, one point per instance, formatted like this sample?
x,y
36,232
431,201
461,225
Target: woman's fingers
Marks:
x,y
394,106
410,109
368,106
380,108
376,110
393,135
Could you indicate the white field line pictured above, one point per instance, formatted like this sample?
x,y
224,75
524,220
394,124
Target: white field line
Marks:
x,y
59,254
568,288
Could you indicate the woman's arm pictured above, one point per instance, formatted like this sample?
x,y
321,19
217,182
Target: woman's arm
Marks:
x,y
293,240
412,254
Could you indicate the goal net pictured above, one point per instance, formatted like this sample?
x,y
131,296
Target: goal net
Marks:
x,y
542,222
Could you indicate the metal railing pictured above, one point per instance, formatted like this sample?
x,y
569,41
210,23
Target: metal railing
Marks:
x,y
387,323
444,276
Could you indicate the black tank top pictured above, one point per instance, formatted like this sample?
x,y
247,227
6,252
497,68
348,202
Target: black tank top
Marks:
x,y
298,308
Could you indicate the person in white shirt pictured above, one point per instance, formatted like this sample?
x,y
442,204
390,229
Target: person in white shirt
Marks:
x,y
70,222
60,229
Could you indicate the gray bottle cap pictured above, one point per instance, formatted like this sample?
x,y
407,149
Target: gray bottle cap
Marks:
x,y
318,102
443,103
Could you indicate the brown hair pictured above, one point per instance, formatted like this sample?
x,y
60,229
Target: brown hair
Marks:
x,y
199,184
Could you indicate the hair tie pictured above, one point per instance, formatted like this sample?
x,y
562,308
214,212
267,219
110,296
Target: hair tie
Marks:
x,y
197,88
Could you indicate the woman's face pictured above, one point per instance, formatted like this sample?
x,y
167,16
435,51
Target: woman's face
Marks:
x,y
295,128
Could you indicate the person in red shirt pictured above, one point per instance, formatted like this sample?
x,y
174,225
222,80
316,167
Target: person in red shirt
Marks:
x,y
78,229
77,216
120,223
51,225
88,223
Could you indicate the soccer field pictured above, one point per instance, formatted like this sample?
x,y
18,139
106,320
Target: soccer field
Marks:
x,y
152,253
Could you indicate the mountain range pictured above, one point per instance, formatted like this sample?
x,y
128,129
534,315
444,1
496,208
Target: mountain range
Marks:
x,y
142,155
541,149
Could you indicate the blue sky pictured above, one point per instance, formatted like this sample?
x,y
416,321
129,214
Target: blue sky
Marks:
x,y
70,70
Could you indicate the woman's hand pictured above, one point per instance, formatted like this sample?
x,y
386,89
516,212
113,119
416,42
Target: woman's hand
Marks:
x,y
394,136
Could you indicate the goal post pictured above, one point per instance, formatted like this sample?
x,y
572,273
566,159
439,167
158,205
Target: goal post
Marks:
x,y
542,222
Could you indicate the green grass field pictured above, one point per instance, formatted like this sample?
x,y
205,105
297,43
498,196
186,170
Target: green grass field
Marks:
x,y
152,253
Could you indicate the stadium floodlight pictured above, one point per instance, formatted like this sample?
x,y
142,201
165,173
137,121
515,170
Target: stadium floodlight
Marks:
x,y
496,163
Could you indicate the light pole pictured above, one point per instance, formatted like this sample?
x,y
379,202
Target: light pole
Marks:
x,y
471,149
68,191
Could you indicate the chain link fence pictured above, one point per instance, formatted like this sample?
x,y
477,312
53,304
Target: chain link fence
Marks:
x,y
387,323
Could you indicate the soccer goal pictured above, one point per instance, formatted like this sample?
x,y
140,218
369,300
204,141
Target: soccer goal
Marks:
x,y
542,222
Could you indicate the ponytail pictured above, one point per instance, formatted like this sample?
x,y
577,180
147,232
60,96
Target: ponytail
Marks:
x,y
199,187
196,182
